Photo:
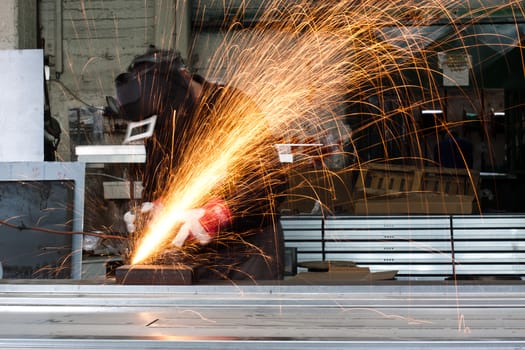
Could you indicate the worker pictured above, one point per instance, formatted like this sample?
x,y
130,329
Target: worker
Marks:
x,y
239,235
454,151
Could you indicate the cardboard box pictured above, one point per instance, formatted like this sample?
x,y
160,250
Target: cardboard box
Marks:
x,y
339,273
394,189
416,203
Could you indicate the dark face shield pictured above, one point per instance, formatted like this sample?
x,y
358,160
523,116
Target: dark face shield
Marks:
x,y
128,89
127,103
148,88
130,97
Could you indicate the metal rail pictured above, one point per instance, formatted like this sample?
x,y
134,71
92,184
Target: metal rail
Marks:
x,y
385,316
416,246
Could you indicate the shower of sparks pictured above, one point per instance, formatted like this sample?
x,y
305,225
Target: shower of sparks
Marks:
x,y
302,63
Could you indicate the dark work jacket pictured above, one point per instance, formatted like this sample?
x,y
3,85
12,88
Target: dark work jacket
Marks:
x,y
253,196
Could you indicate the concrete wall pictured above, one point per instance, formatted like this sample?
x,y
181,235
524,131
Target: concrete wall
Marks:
x,y
8,38
89,42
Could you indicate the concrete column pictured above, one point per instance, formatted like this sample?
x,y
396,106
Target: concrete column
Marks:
x,y
18,24
165,32
8,30
173,25
183,28
27,24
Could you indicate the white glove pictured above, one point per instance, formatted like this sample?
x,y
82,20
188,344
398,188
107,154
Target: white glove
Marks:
x,y
202,224
130,217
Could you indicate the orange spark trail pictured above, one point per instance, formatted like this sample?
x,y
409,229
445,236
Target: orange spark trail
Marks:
x,y
299,64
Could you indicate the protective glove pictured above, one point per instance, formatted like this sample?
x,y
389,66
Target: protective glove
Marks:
x,y
202,224
130,217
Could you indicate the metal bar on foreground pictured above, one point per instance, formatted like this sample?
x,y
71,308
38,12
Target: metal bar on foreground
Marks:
x,y
387,315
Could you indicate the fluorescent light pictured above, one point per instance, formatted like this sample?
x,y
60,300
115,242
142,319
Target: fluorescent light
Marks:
x,y
431,111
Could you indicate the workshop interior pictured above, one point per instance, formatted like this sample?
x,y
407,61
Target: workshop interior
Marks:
x,y
366,188
253,174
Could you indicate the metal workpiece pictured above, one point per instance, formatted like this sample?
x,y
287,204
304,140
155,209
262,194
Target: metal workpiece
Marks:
x,y
111,153
417,246
373,316
20,174
154,275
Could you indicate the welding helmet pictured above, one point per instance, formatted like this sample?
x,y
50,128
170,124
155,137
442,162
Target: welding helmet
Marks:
x,y
150,79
